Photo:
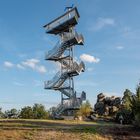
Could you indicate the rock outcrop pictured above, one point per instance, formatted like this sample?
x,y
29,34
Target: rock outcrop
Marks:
x,y
107,105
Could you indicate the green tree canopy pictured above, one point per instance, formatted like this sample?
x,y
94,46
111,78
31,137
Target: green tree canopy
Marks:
x,y
39,112
13,113
126,100
1,113
26,113
36,112
131,102
135,105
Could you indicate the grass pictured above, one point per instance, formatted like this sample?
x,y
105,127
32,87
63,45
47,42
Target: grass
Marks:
x,y
22,129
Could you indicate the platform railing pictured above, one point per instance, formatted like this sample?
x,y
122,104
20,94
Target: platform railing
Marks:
x,y
67,105
67,92
61,20
51,83
60,77
61,46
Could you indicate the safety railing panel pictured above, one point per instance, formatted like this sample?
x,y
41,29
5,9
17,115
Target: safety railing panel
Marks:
x,y
60,47
67,92
62,19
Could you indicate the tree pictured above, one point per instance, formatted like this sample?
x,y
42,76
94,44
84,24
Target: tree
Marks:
x,y
36,112
135,105
13,113
126,111
131,103
1,113
127,115
26,113
85,109
51,112
126,100
39,112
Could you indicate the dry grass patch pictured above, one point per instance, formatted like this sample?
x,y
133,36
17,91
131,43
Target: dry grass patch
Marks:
x,y
64,130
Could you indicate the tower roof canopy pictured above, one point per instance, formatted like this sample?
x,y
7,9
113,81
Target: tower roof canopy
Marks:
x,y
63,23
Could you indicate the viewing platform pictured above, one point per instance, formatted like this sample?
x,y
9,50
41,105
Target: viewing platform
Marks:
x,y
63,23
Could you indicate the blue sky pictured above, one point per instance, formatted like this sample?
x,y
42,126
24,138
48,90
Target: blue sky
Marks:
x,y
111,52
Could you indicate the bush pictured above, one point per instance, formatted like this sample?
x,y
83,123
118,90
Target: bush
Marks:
x,y
1,113
39,112
126,114
85,110
26,113
13,113
36,112
131,103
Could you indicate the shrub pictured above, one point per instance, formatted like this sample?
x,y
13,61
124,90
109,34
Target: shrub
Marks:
x,y
126,114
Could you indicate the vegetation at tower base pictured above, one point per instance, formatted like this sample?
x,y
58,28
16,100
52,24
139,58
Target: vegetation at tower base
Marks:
x,y
26,112
85,110
107,105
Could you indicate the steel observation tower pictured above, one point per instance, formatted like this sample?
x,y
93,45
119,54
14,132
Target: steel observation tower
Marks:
x,y
63,81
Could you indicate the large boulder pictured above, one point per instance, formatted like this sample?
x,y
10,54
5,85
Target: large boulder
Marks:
x,y
107,105
100,97
117,101
99,108
107,101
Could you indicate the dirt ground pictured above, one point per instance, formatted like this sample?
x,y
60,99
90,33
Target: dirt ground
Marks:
x,y
65,130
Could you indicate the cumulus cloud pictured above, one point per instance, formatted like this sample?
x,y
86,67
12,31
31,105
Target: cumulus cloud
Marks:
x,y
8,64
89,58
120,47
33,64
30,63
101,23
41,69
19,66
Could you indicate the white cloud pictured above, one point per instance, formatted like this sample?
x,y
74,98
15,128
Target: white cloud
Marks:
x,y
29,63
20,66
120,47
41,69
89,58
34,64
101,23
8,64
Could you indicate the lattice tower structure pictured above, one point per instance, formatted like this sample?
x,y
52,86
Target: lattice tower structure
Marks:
x,y
63,53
